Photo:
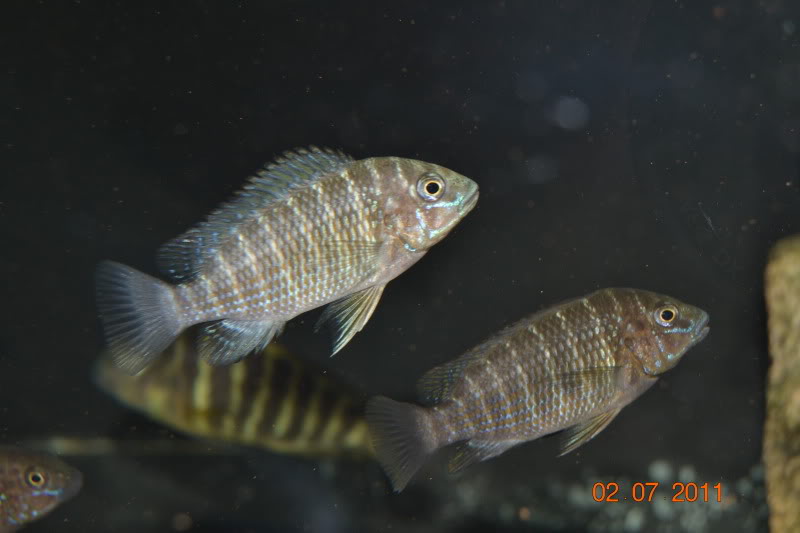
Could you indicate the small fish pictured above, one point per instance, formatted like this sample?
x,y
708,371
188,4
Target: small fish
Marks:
x,y
312,228
271,400
573,366
31,485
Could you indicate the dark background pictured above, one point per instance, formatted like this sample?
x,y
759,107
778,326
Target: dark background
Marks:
x,y
646,144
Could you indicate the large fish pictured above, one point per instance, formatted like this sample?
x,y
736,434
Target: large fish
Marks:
x,y
313,227
31,485
573,366
271,400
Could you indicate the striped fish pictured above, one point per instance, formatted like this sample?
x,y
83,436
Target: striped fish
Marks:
x,y
271,400
573,366
314,227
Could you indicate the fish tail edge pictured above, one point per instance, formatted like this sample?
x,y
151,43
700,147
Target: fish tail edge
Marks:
x,y
399,437
138,314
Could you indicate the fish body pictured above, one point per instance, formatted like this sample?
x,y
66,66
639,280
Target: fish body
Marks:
x,y
312,228
573,366
31,485
271,400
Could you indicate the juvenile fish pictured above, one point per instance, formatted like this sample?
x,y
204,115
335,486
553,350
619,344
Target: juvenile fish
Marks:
x,y
31,485
271,400
312,228
573,366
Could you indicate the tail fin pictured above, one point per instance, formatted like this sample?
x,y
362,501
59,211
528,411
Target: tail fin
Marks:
x,y
138,315
400,438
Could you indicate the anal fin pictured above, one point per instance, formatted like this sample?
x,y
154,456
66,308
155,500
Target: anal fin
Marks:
x,y
474,451
582,433
351,313
227,341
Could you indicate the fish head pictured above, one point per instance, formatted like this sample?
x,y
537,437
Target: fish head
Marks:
x,y
659,329
426,201
35,484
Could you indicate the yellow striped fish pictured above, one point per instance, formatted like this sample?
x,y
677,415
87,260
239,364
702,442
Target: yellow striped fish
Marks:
x,y
271,400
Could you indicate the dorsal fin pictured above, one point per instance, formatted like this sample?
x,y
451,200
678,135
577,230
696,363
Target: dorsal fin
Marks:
x,y
182,257
436,384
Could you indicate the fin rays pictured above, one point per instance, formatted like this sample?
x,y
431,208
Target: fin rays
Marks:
x,y
351,314
475,451
137,313
580,434
397,437
183,256
227,341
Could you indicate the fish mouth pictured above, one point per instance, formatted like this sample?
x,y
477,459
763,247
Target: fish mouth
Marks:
x,y
73,487
701,330
469,202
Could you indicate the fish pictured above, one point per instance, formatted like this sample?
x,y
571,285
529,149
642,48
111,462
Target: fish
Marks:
x,y
314,227
571,367
32,484
273,400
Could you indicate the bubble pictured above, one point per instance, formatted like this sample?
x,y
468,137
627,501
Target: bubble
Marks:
x,y
182,522
634,519
789,27
687,474
570,113
663,509
660,470
788,78
540,169
790,135
530,87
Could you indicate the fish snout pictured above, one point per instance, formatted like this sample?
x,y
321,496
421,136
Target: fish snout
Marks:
x,y
701,329
73,485
470,201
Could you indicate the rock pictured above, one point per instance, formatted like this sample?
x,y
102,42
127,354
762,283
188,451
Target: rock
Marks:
x,y
782,429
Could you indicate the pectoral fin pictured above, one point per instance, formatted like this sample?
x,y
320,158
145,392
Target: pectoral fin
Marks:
x,y
582,433
351,313
475,451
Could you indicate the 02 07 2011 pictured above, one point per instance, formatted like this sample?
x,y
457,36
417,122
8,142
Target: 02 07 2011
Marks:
x,y
610,491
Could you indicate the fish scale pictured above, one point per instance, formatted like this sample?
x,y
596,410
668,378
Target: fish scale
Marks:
x,y
573,366
313,228
272,400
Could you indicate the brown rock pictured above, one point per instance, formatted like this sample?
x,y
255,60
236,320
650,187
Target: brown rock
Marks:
x,y
782,430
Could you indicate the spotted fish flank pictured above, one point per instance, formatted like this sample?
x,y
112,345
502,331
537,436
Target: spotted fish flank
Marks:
x,y
312,228
573,367
270,400
32,484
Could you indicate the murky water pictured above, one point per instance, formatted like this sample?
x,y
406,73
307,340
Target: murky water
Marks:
x,y
645,144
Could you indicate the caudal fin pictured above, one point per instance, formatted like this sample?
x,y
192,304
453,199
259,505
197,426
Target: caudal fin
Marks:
x,y
138,315
400,438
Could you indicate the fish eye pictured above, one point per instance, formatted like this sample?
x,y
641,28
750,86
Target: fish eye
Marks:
x,y
36,479
430,186
666,315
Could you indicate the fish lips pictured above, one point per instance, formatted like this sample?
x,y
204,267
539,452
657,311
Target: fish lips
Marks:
x,y
701,330
73,486
470,202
